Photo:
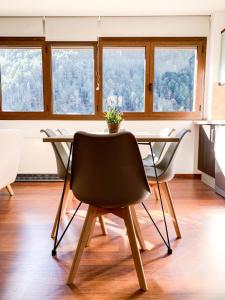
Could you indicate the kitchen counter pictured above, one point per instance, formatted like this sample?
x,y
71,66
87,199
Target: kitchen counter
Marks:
x,y
210,122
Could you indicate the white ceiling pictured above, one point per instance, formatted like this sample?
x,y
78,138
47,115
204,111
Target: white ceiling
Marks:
x,y
109,7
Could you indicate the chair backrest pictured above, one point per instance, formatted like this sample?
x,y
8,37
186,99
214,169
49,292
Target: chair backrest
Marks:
x,y
160,146
166,164
63,131
11,142
107,170
60,154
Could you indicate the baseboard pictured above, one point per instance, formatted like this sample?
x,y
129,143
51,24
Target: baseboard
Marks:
x,y
220,191
54,177
188,176
210,181
37,177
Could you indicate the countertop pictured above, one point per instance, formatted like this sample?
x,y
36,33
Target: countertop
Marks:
x,y
210,122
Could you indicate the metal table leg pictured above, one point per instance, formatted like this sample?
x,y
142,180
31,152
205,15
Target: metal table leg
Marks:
x,y
167,243
57,242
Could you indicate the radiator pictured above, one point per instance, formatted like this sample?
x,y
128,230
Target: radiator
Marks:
x,y
37,177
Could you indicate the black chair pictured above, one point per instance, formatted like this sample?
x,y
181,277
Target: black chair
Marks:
x,y
108,174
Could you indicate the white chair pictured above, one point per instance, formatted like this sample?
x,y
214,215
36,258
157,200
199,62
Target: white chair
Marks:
x,y
165,173
11,142
157,149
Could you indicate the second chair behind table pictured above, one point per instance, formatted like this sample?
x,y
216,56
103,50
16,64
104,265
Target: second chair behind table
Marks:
x,y
157,151
165,173
107,174
157,148
62,158
64,131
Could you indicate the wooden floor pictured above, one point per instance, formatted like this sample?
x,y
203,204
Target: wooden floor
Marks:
x,y
195,270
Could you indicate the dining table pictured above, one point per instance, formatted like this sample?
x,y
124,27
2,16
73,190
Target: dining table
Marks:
x,y
142,138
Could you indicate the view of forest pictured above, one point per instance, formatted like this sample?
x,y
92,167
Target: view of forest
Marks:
x,y
124,78
21,80
73,79
174,79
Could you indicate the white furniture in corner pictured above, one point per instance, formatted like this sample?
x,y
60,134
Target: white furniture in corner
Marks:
x,y
11,142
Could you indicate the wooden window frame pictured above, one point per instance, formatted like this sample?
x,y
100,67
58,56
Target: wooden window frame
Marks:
x,y
148,42
114,43
53,116
200,44
29,43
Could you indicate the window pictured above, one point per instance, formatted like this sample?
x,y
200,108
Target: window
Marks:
x,y
146,78
177,76
175,79
73,80
153,78
21,80
124,78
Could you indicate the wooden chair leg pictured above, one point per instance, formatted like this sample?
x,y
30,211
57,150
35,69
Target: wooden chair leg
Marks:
x,y
164,198
90,219
10,190
67,189
68,202
68,198
102,224
91,233
137,229
171,209
134,248
156,193
91,215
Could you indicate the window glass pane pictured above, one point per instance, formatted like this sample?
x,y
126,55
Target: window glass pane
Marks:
x,y
174,79
124,78
73,81
21,80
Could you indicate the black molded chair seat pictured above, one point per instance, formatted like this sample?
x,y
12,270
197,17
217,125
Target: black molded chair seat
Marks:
x,y
108,174
107,170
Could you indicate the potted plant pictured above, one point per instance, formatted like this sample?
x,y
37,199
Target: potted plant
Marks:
x,y
113,118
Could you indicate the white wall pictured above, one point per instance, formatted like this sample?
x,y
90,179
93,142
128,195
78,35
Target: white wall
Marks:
x,y
38,157
217,24
90,28
167,26
22,27
71,28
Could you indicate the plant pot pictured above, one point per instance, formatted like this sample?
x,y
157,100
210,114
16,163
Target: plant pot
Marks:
x,y
113,127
